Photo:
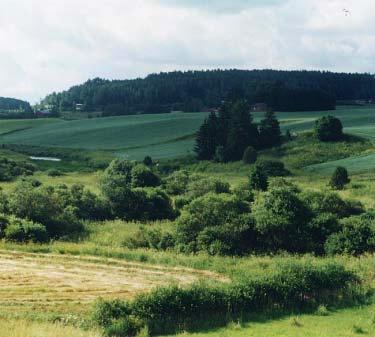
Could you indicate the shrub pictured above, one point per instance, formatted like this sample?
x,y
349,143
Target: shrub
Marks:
x,y
177,182
250,155
20,230
172,309
45,206
142,176
339,178
243,192
258,180
209,211
328,202
201,186
148,161
54,173
10,169
328,129
356,237
117,175
272,168
281,217
85,204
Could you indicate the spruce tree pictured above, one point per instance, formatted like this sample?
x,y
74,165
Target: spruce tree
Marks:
x,y
242,133
339,178
205,145
269,131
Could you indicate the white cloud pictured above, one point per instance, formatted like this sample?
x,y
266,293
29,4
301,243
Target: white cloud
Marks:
x,y
51,45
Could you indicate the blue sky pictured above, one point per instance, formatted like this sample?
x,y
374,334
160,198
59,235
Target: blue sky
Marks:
x,y
51,45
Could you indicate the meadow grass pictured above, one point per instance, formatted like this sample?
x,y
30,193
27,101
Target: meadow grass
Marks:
x,y
24,328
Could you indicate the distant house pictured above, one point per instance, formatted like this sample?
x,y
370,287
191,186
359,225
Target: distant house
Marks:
x,y
260,107
79,107
43,113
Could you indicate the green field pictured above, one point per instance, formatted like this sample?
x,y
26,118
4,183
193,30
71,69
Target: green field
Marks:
x,y
48,290
161,135
166,135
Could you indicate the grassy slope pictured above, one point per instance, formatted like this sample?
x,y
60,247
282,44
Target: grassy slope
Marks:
x,y
166,135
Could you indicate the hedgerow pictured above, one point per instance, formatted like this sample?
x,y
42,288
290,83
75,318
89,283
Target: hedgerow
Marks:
x,y
293,286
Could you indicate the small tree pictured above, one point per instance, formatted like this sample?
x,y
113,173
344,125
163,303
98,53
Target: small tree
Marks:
x,y
339,178
328,129
148,161
250,155
269,130
258,180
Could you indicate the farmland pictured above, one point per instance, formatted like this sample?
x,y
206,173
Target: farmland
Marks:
x,y
49,289
163,136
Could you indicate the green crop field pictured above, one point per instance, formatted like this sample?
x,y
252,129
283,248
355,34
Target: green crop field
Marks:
x,y
166,135
160,135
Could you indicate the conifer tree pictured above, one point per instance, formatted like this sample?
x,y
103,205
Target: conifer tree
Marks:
x,y
242,133
269,131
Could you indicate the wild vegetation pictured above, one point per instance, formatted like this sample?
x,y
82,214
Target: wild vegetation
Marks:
x,y
192,246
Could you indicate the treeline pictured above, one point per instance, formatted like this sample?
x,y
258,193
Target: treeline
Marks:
x,y
198,90
14,108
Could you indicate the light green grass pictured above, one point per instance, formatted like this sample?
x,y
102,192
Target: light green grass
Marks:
x,y
342,323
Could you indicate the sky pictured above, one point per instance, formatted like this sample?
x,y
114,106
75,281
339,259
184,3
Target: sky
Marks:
x,y
51,45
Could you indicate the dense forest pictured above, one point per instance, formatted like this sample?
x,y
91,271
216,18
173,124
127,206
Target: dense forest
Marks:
x,y
198,90
14,108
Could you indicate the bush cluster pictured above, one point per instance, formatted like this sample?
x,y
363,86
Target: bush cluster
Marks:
x,y
291,286
281,219
21,230
10,169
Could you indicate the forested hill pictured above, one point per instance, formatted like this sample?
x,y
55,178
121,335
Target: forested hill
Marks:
x,y
14,108
197,90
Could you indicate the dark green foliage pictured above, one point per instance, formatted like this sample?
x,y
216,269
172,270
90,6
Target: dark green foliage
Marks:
x,y
339,178
10,169
292,286
142,176
244,192
328,129
226,137
269,131
250,155
193,90
148,161
84,203
215,212
43,205
356,237
54,173
258,180
282,218
328,202
206,139
177,182
21,230
200,186
117,174
242,132
272,168
319,229
11,108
